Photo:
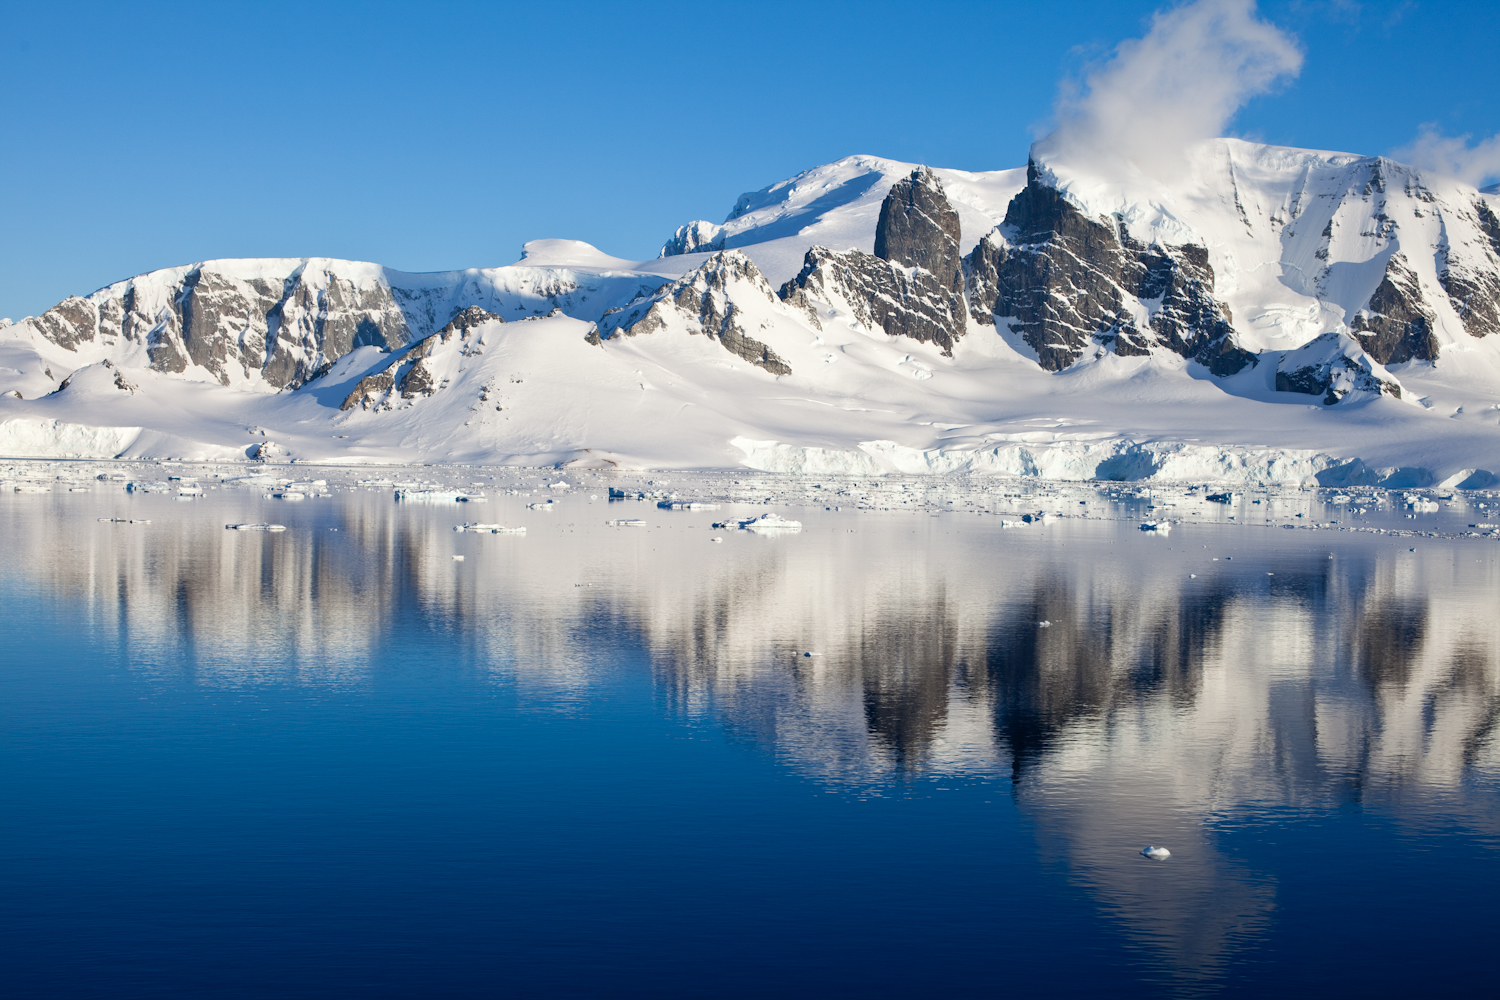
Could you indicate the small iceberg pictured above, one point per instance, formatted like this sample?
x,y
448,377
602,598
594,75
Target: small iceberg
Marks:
x,y
428,496
1156,853
1157,527
256,527
770,522
626,522
489,529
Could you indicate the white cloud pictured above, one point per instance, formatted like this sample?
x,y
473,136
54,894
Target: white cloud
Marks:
x,y
1452,155
1181,83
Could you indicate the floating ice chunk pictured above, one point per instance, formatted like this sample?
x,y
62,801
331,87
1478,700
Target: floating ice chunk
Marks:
x,y
1157,527
627,522
1156,853
427,496
458,558
770,522
716,539
1043,624
489,529
812,654
255,527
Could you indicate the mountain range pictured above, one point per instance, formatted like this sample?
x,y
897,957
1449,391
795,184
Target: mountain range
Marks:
x,y
1264,314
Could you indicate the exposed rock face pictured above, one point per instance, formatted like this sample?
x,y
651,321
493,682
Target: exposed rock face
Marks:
x,y
703,300
919,228
882,295
233,327
418,378
370,390
913,285
69,323
1396,325
1061,280
1473,281
695,237
1332,366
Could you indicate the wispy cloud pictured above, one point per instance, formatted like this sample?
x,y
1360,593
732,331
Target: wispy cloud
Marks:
x,y
1181,83
1452,155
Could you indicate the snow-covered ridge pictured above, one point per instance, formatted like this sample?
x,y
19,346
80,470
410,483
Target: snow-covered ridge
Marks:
x,y
1269,315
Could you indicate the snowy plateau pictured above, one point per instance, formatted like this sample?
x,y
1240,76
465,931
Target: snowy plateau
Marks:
x,y
1272,315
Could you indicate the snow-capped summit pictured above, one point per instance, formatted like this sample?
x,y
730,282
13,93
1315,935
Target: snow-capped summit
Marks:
x,y
1268,313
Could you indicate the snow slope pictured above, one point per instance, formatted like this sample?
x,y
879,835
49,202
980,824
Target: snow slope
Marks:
x,y
702,358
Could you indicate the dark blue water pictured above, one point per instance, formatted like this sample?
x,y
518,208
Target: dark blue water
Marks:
x,y
593,762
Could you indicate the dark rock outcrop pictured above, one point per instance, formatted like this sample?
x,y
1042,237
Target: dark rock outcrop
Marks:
x,y
1061,280
1396,324
1474,286
882,295
231,326
913,285
417,378
919,228
702,299
1331,366
370,390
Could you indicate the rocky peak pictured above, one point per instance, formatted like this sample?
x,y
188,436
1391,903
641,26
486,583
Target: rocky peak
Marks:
x,y
1063,280
913,285
919,228
467,319
703,300
699,236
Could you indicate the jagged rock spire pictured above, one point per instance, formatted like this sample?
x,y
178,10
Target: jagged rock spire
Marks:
x,y
919,228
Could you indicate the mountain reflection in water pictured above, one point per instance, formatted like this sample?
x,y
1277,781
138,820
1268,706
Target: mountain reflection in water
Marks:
x,y
1154,706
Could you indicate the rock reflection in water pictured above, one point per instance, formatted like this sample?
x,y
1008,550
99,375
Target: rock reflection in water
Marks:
x,y
1153,708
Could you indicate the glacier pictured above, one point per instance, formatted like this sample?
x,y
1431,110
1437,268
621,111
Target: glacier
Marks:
x,y
1271,315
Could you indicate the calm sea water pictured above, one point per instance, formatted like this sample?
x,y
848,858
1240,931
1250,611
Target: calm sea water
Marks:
x,y
595,761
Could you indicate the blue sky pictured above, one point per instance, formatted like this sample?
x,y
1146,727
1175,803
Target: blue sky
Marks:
x,y
433,136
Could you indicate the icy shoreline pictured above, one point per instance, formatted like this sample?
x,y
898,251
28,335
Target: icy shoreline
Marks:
x,y
681,498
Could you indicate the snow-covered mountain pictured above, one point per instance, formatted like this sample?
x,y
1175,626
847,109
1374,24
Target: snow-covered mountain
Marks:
x,y
1269,314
